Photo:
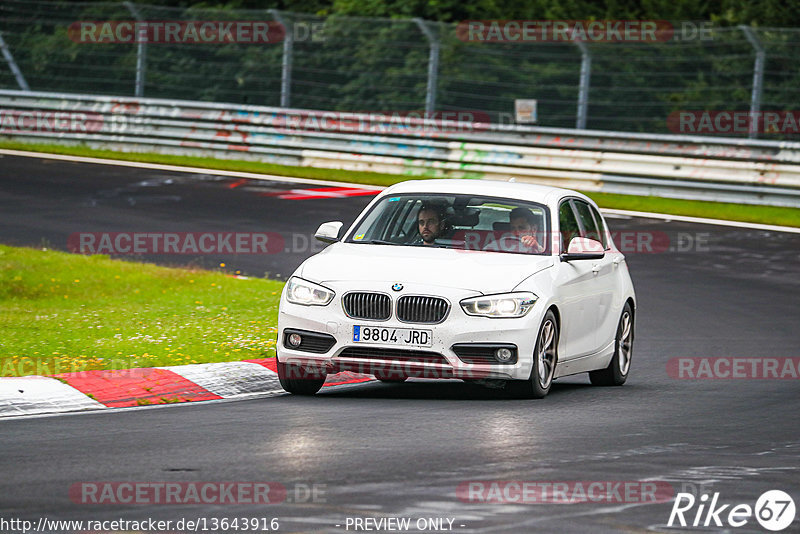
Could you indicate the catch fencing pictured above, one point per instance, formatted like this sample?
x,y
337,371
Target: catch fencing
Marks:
x,y
361,64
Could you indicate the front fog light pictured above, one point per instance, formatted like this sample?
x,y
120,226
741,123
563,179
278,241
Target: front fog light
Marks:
x,y
295,340
503,354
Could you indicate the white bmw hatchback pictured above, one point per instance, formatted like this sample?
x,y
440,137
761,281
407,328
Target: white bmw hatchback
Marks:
x,y
508,284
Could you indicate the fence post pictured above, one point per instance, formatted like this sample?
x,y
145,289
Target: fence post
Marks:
x,y
583,88
23,84
433,66
286,61
758,80
141,50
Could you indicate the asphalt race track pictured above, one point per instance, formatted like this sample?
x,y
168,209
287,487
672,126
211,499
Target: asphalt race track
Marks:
x,y
383,451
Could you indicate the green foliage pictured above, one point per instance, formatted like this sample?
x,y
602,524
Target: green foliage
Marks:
x,y
758,12
120,315
363,63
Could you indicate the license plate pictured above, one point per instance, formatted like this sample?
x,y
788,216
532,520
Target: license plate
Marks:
x,y
392,336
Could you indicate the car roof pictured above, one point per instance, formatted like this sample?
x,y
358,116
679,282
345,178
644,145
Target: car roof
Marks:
x,y
544,194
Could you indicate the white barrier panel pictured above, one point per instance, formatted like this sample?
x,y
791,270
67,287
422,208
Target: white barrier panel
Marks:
x,y
735,170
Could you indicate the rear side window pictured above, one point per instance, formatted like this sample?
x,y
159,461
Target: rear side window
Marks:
x,y
567,223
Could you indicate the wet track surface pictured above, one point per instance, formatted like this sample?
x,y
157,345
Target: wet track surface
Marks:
x,y
403,450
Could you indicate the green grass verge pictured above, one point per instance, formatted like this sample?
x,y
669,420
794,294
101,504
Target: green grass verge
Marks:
x,y
62,312
698,208
712,210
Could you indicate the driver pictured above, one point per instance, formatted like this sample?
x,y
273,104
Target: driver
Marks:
x,y
431,222
524,227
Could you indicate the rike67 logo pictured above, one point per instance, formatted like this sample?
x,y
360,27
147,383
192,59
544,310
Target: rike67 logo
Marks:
x,y
774,510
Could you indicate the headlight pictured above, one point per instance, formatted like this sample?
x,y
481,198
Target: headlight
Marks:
x,y
506,305
299,291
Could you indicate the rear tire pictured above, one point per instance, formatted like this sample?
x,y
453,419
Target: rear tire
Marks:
x,y
299,380
617,371
545,357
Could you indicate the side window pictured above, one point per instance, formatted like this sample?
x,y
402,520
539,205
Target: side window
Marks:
x,y
568,225
587,220
600,226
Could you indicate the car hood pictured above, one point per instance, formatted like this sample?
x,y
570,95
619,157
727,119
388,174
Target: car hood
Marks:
x,y
485,272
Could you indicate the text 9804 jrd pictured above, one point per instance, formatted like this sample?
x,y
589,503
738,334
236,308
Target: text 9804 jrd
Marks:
x,y
393,336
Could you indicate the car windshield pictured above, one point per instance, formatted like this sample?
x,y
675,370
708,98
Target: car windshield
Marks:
x,y
466,222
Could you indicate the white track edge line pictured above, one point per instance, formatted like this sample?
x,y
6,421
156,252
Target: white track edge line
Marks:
x,y
702,220
181,168
311,181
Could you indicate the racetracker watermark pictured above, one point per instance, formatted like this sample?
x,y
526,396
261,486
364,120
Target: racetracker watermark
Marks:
x,y
588,31
25,366
209,493
564,492
386,122
738,122
22,121
627,242
192,32
119,243
734,368
198,243
300,369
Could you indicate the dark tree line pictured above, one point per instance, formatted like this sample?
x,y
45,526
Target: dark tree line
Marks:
x,y
375,58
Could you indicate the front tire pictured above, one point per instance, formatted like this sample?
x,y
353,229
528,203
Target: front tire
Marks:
x,y
299,380
545,357
617,371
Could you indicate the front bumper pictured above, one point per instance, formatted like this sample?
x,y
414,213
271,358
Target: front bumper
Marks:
x,y
440,360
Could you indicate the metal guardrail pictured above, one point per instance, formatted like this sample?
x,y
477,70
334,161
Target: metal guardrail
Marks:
x,y
705,168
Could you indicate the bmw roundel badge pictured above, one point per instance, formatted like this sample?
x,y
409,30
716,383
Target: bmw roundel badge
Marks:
x,y
397,287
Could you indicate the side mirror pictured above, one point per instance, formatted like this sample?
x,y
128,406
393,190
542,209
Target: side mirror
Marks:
x,y
329,232
583,248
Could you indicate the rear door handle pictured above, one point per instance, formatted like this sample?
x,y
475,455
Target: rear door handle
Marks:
x,y
596,268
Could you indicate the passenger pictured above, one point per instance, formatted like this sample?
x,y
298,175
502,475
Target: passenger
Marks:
x,y
525,228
